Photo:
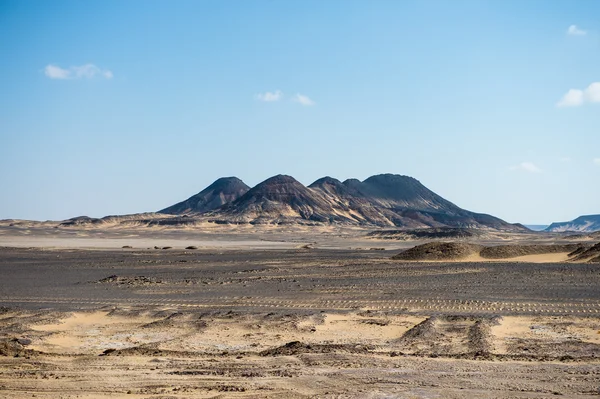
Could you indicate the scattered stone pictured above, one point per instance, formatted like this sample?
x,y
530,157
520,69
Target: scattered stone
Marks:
x,y
24,341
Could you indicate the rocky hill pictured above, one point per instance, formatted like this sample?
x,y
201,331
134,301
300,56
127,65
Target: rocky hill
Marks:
x,y
382,200
221,192
279,199
584,224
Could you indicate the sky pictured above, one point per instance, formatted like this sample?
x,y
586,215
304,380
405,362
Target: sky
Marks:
x,y
117,107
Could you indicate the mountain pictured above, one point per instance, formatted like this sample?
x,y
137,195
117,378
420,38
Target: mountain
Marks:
x,y
585,224
222,191
279,199
402,201
382,200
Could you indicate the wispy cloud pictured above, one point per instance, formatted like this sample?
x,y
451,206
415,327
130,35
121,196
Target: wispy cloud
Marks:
x,y
87,71
596,161
565,159
574,30
576,97
527,167
573,98
269,96
302,99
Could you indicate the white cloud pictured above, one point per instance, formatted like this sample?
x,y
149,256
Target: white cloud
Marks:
x,y
576,97
269,96
527,167
575,31
565,159
87,71
54,72
596,161
302,99
592,93
573,98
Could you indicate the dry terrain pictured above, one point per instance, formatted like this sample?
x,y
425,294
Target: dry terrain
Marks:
x,y
288,315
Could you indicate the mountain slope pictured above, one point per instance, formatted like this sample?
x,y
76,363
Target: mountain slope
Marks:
x,y
222,191
402,201
585,224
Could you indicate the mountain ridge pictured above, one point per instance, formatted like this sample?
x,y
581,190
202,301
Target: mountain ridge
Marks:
x,y
583,224
385,200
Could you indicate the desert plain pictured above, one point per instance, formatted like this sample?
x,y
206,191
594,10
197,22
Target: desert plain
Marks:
x,y
291,312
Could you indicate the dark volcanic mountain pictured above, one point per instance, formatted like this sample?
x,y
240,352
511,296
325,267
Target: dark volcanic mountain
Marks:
x,y
382,200
584,224
402,201
222,191
279,199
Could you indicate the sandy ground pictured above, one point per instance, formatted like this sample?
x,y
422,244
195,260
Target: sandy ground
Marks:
x,y
541,258
168,353
331,320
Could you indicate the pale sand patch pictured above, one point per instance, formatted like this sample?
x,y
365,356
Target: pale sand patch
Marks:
x,y
540,258
587,331
510,327
556,329
351,328
91,332
258,335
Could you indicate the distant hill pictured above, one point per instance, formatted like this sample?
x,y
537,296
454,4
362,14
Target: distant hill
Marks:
x,y
537,227
584,224
222,191
381,200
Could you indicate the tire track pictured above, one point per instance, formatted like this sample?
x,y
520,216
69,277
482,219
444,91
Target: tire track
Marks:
x,y
411,305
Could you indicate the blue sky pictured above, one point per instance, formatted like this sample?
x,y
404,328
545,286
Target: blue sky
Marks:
x,y
112,107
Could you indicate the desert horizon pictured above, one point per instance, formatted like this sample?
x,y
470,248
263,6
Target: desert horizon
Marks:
x,y
382,294
299,199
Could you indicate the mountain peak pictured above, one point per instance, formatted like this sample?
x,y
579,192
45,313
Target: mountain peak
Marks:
x,y
326,180
227,180
220,192
280,179
389,178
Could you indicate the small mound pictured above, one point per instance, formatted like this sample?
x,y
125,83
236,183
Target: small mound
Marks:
x,y
449,251
425,330
296,347
15,347
440,251
580,249
591,254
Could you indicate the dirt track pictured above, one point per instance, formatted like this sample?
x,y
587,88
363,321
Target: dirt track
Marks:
x,y
293,323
